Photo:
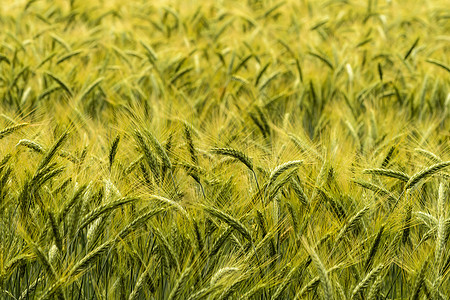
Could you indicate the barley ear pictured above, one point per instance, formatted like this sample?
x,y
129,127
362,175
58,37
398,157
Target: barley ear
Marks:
x,y
9,130
374,249
113,151
376,287
277,171
232,222
139,284
363,284
51,153
419,282
181,283
323,276
426,173
388,173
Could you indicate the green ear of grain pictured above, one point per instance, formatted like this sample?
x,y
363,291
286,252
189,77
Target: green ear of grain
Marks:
x,y
61,83
364,284
433,157
323,276
171,203
239,156
160,150
278,292
277,171
232,222
438,63
299,192
67,206
16,262
376,287
220,241
52,151
373,249
410,50
104,209
376,189
150,158
350,224
190,144
90,88
139,221
235,154
203,293
139,284
388,157
168,249
68,56
311,286
278,185
388,173
425,173
151,54
9,130
31,145
419,282
113,150
88,260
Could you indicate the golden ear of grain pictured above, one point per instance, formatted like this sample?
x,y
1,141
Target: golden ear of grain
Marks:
x,y
442,231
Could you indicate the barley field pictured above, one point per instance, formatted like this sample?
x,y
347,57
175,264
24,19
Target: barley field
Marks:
x,y
180,149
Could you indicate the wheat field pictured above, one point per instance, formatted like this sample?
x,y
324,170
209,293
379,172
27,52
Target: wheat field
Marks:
x,y
180,149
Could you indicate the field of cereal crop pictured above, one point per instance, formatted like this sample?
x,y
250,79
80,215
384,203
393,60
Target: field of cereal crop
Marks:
x,y
180,149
